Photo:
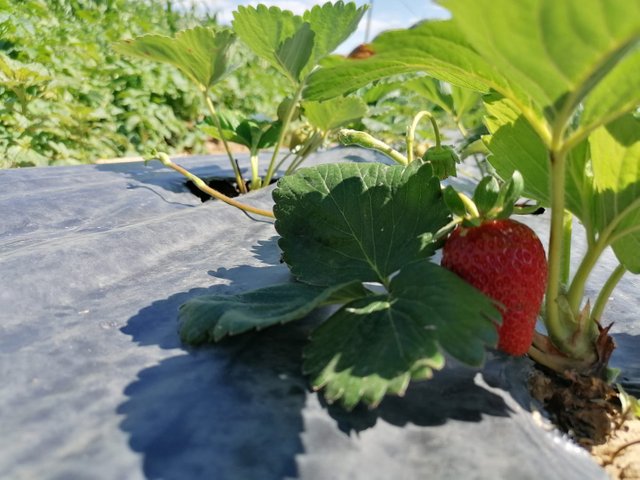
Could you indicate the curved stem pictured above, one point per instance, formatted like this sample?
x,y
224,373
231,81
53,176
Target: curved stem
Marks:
x,y
362,139
411,132
198,182
285,125
236,171
606,291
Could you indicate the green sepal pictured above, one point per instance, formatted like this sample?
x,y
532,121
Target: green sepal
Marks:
x,y
453,201
486,195
510,192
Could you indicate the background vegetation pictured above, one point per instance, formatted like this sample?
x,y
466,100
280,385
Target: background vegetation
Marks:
x,y
67,97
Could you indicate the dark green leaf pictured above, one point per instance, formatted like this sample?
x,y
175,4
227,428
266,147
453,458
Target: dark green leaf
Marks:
x,y
228,135
346,221
209,318
376,345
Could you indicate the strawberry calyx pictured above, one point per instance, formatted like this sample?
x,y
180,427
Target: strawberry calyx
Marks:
x,y
490,201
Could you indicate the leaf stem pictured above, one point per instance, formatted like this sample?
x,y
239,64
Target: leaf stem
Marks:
x,y
198,182
411,132
256,182
557,328
362,139
239,180
285,125
566,247
606,291
579,281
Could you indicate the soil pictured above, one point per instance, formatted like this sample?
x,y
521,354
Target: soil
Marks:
x,y
589,411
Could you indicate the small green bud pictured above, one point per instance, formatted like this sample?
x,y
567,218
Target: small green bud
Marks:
x,y
443,159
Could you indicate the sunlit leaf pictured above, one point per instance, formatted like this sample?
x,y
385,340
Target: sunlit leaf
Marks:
x,y
332,24
346,221
265,30
615,151
203,54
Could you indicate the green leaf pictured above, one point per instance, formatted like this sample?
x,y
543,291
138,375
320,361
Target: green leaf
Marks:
x,y
510,193
432,90
454,100
334,113
294,53
346,221
527,52
532,44
332,24
515,146
209,318
258,134
265,30
376,345
17,74
615,155
202,54
616,94
431,47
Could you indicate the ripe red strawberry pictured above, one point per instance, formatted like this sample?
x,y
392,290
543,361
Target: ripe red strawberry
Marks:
x,y
506,261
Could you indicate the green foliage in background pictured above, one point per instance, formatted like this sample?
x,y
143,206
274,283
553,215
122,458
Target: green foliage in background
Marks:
x,y
67,97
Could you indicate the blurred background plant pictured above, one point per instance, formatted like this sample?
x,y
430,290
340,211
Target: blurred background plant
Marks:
x,y
66,97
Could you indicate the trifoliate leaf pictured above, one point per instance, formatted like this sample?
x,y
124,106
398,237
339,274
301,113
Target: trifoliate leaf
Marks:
x,y
376,345
347,221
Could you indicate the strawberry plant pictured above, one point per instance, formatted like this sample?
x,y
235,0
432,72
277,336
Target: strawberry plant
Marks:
x,y
293,45
563,132
561,111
